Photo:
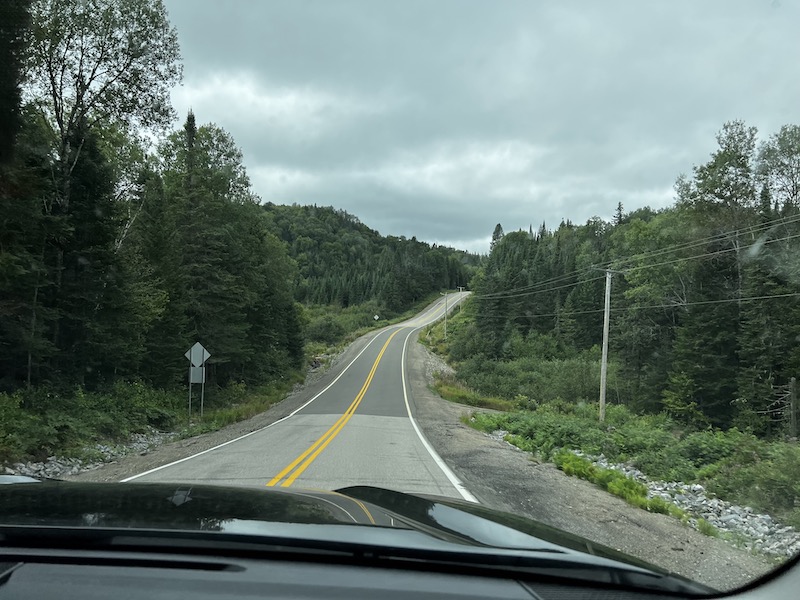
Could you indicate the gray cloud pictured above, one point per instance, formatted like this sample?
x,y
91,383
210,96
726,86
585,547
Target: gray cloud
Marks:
x,y
440,119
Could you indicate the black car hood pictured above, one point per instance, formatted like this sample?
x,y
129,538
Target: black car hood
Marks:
x,y
375,515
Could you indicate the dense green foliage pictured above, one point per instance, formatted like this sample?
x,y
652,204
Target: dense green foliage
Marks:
x,y
343,262
705,315
736,466
615,482
67,423
118,253
101,288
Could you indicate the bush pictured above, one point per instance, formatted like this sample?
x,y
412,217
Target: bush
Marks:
x,y
21,433
659,505
733,465
707,528
325,329
706,447
613,481
575,466
450,389
629,490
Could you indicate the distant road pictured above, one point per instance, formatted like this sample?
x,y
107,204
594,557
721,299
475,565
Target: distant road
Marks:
x,y
359,430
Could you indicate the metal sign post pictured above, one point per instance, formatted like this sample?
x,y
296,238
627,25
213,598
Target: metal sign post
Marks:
x,y
197,356
203,382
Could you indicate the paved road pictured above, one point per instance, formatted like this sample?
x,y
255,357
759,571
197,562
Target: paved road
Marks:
x,y
358,430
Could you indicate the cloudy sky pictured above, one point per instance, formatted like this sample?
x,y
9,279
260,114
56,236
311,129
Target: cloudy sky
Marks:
x,y
439,119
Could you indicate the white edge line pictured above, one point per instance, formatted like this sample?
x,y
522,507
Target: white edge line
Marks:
x,y
297,410
457,483
241,437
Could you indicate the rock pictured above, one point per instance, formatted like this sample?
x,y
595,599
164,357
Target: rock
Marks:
x,y
756,531
729,518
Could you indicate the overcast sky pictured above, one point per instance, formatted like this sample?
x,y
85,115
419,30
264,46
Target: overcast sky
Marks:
x,y
439,119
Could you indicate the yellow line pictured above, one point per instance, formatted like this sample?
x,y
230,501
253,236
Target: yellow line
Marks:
x,y
317,447
364,508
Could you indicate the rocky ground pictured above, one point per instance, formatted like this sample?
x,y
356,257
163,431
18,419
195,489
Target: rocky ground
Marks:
x,y
504,477
498,474
745,527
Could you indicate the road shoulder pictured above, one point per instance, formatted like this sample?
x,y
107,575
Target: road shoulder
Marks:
x,y
505,478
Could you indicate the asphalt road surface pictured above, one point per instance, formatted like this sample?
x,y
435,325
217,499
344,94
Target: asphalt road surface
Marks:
x,y
359,430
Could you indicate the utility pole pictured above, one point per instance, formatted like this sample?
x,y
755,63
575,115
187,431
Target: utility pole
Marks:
x,y
604,360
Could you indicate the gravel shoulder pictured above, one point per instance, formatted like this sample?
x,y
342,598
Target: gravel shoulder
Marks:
x,y
500,476
504,477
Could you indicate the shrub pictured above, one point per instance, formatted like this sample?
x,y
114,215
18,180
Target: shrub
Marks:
x,y
707,528
325,329
628,489
659,505
21,433
706,447
576,466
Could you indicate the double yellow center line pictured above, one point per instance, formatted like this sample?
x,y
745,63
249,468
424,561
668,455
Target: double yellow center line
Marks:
x,y
294,469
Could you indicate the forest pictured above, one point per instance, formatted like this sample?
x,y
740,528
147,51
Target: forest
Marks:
x,y
125,239
705,318
704,335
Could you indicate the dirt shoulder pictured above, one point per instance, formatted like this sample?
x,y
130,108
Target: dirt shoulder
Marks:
x,y
506,478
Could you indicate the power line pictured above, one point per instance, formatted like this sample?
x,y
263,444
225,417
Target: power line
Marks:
x,y
645,307
532,293
714,238
511,294
714,253
534,288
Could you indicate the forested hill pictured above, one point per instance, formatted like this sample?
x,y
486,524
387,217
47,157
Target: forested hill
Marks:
x,y
705,298
341,261
117,254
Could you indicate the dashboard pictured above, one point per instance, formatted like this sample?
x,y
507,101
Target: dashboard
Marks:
x,y
88,575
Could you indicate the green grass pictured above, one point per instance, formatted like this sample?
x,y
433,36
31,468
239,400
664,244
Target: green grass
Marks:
x,y
248,403
332,328
450,389
732,465
39,423
613,481
707,528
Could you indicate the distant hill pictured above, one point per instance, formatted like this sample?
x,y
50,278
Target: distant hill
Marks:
x,y
342,261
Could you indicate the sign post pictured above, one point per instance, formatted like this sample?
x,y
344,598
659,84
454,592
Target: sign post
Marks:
x,y
197,356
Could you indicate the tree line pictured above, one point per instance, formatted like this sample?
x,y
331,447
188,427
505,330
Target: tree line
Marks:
x,y
341,261
705,310
122,241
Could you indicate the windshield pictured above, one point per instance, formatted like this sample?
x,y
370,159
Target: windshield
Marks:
x,y
537,257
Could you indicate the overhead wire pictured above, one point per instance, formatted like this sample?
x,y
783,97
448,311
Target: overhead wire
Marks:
x,y
533,289
709,239
644,307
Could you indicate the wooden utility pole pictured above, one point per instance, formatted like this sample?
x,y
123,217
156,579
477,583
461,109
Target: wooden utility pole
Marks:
x,y
604,360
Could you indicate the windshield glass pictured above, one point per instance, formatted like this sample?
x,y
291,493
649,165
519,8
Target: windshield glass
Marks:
x,y
537,257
